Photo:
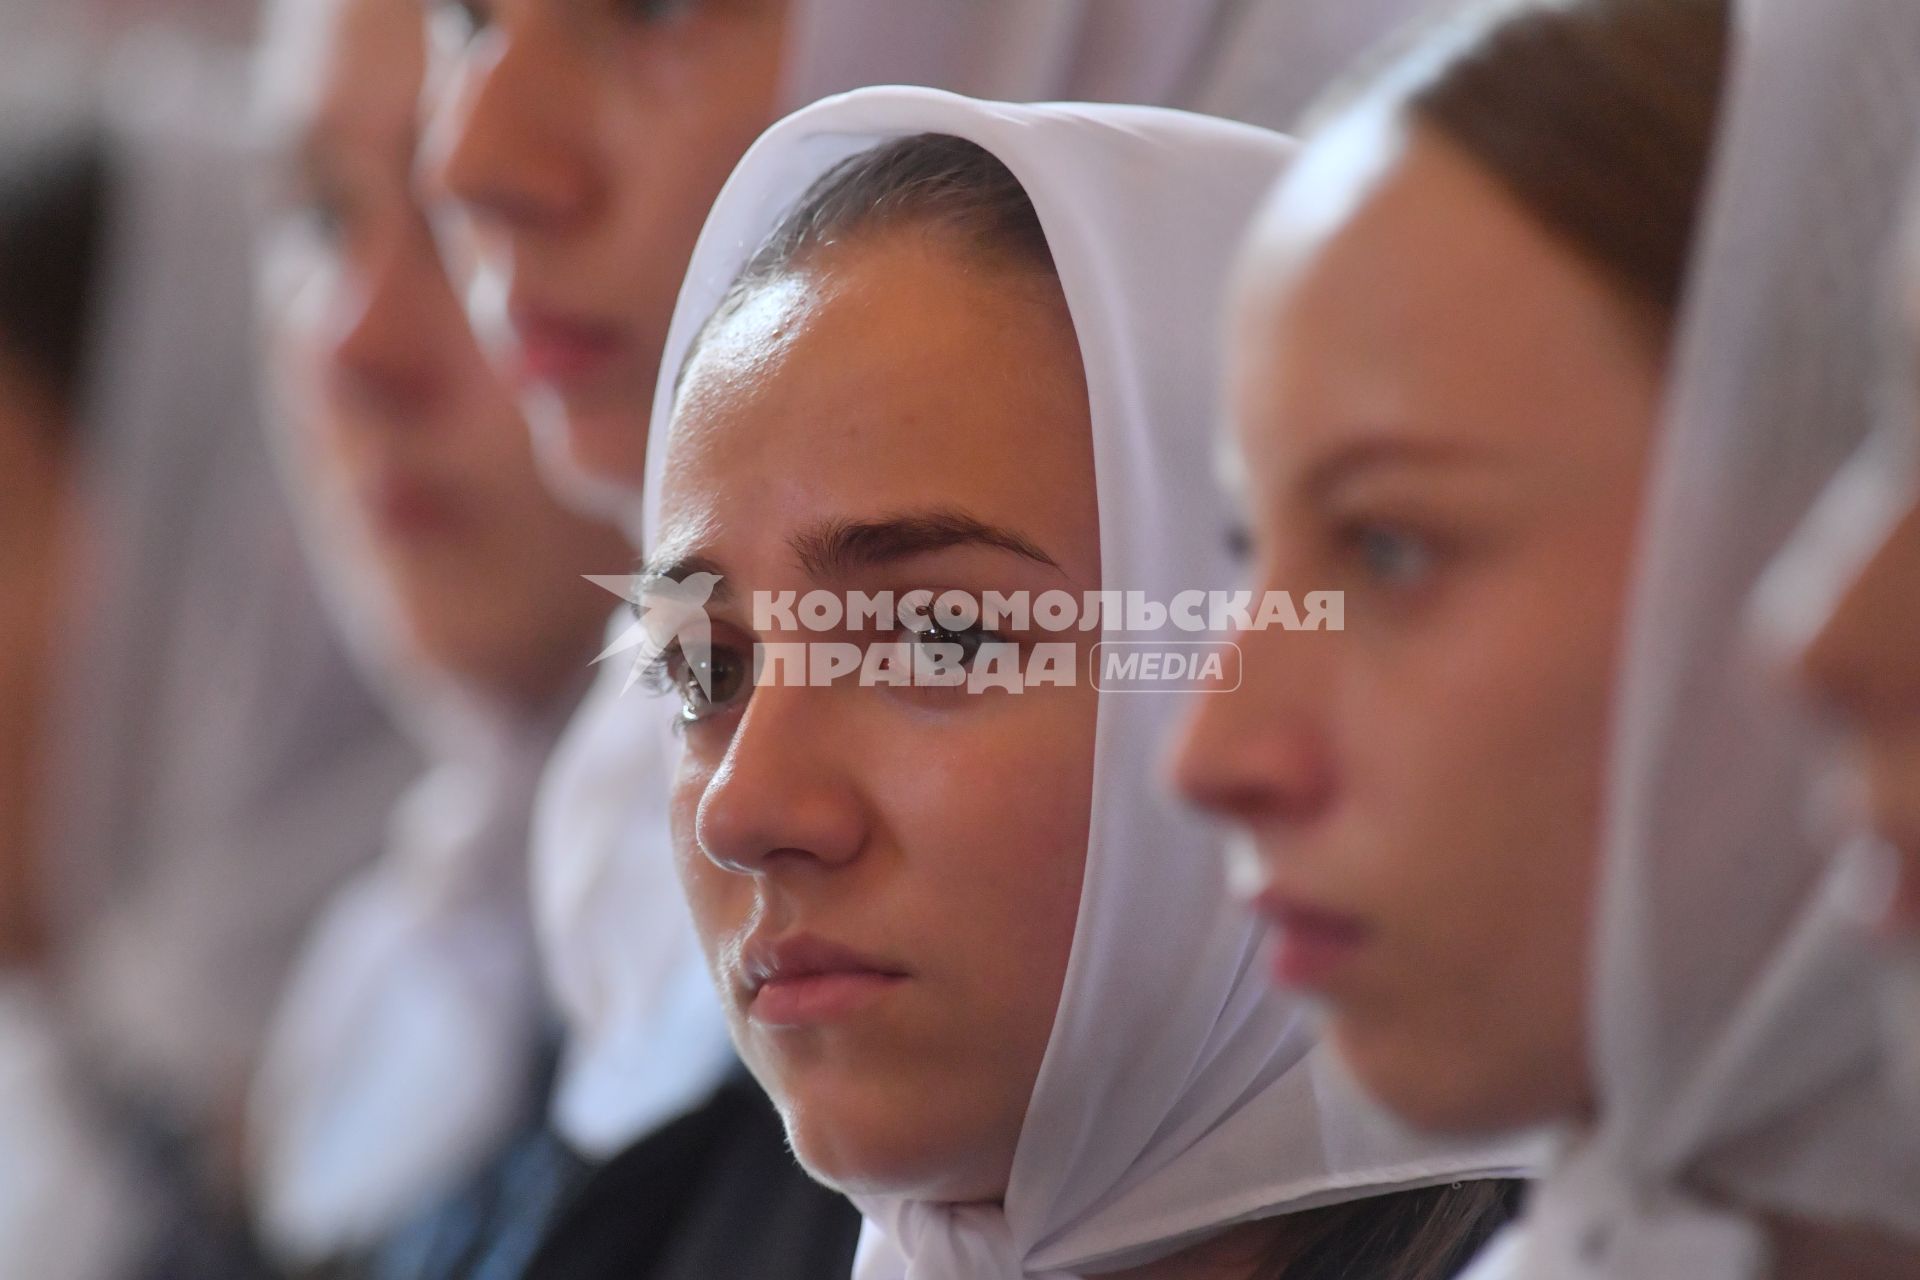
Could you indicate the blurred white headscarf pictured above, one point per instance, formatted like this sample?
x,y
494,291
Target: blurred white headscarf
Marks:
x,y
1735,1048
1889,467
1259,61
221,767
215,768
1180,1093
405,1051
645,1037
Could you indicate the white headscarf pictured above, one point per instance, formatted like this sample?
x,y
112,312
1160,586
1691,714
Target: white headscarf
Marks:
x,y
405,1049
1734,1029
645,1039
1900,993
71,1207
1180,1093
1259,61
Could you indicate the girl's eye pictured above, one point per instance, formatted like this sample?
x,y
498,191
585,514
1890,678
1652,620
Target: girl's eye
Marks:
x,y
322,215
706,688
968,640
1392,557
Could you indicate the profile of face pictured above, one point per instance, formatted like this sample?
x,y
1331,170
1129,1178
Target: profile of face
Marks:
x,y
583,143
418,463
885,878
1440,410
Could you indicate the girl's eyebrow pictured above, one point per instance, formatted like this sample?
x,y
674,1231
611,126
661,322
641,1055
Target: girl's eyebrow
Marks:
x,y
836,548
1342,465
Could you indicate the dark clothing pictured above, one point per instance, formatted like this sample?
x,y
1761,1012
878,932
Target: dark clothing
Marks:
x,y
716,1195
492,1225
492,1229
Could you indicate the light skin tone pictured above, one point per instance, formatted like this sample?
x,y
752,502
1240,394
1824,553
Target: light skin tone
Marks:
x,y
36,534
582,144
1444,412
838,433
419,462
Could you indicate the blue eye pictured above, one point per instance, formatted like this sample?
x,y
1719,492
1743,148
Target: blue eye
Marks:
x,y
1392,556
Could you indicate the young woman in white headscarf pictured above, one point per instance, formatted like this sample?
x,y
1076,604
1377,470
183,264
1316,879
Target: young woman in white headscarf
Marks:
x,y
988,972
190,763
582,145
1529,828
398,1124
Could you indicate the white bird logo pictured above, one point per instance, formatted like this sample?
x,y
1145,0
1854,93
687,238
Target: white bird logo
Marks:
x,y
667,612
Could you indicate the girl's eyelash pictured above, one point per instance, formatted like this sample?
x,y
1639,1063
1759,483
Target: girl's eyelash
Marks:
x,y
653,676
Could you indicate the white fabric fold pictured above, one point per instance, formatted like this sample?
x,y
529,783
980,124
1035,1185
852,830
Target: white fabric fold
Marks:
x,y
1180,1092
405,1048
69,1207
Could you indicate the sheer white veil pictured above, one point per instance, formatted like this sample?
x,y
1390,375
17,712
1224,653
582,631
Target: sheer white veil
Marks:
x,y
1735,1051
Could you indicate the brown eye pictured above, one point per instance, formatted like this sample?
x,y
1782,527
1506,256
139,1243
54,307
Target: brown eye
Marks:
x,y
709,686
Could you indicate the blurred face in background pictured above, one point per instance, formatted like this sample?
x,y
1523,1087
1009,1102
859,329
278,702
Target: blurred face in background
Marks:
x,y
412,454
1443,412
583,141
886,879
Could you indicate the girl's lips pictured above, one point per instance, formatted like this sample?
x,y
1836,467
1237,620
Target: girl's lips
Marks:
x,y
409,508
818,998
800,980
1311,945
563,351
